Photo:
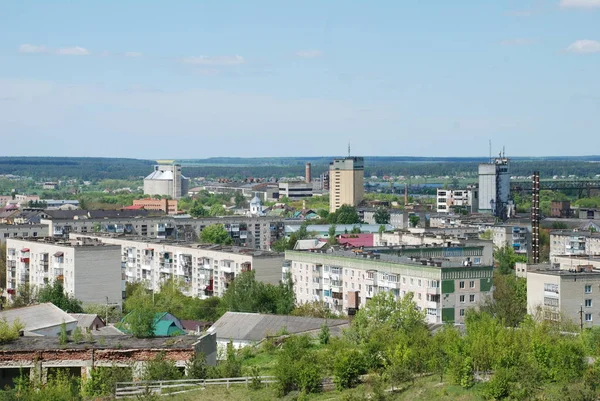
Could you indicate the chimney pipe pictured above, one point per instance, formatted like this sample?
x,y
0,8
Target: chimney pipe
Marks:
x,y
307,173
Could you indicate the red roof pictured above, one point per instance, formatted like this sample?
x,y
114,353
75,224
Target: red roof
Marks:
x,y
356,240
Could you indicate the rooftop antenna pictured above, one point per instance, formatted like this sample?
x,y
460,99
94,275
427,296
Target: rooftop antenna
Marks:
x,y
503,152
490,150
348,148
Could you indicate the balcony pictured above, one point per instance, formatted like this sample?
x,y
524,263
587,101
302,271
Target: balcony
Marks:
x,y
433,290
433,305
24,260
227,268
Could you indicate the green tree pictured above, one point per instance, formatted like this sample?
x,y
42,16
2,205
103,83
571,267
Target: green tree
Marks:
x,y
414,220
77,335
331,239
324,334
295,366
509,300
382,216
140,319
9,332
198,210
26,295
281,245
355,230
347,368
196,367
344,215
314,309
217,210
487,234
506,258
161,368
215,234
55,293
3,274
102,380
63,337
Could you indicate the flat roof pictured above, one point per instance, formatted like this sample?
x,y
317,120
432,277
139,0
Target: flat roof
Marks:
x,y
71,243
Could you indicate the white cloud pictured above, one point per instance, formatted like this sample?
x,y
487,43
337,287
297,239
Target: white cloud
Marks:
x,y
73,51
580,3
584,46
26,48
216,61
517,42
310,53
133,54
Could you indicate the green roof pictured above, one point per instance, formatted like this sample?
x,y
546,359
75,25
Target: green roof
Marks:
x,y
162,328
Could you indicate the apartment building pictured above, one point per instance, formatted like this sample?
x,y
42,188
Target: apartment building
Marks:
x,y
200,270
574,242
22,231
346,182
345,281
449,200
89,270
254,232
572,295
516,237
426,236
398,218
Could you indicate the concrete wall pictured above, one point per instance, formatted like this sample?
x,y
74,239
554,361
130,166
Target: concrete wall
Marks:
x,y
22,230
98,275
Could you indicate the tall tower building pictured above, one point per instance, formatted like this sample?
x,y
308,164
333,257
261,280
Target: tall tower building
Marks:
x,y
346,178
494,187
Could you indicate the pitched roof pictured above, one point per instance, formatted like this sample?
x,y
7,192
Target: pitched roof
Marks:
x,y
37,317
85,320
255,326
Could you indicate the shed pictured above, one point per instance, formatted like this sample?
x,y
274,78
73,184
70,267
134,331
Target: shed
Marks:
x,y
40,320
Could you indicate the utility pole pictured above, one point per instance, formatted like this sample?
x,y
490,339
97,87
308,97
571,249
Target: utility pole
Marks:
x,y
581,317
106,321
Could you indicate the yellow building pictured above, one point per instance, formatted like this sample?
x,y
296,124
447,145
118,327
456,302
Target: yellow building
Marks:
x,y
346,182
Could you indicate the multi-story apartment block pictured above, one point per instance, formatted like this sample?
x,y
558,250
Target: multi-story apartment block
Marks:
x,y
22,231
89,270
572,295
346,186
516,237
398,218
253,232
427,236
573,243
449,200
200,270
345,281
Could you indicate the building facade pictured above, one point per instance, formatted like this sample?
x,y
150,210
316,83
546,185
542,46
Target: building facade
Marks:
x,y
346,182
560,209
166,179
295,190
89,270
516,237
345,281
168,206
200,270
22,231
494,187
574,243
449,200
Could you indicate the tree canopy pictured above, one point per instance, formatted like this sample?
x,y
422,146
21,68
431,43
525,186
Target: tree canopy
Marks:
x,y
382,216
55,293
215,234
344,215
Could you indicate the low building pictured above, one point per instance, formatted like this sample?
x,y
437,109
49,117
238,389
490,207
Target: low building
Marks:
x,y
89,270
40,320
356,240
88,322
295,190
589,213
50,186
242,329
345,281
564,295
168,206
203,270
164,325
560,209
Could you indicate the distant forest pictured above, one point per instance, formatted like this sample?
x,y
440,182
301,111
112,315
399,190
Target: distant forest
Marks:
x,y
239,168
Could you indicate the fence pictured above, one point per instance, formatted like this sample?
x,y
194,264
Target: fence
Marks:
x,y
163,387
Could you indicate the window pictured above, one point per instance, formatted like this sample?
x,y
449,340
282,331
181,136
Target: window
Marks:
x,y
588,303
472,284
462,299
403,280
551,288
588,288
412,281
461,312
588,317
419,283
472,298
548,301
461,284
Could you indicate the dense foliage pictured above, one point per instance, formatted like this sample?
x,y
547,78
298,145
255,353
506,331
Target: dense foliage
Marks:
x,y
215,234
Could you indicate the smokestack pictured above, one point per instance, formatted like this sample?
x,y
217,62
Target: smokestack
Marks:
x,y
307,173
535,218
405,194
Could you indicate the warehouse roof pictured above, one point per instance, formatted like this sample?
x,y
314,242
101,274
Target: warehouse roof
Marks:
x,y
37,317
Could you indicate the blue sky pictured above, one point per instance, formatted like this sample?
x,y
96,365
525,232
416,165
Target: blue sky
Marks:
x,y
195,79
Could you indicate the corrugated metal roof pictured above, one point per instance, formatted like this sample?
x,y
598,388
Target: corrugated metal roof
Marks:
x,y
239,326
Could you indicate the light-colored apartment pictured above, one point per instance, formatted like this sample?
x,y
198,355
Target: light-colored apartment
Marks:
x,y
89,270
22,231
201,270
516,237
345,281
295,190
450,200
572,295
346,182
574,242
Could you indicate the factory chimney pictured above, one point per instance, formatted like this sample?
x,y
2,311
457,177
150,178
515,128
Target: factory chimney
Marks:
x,y
307,173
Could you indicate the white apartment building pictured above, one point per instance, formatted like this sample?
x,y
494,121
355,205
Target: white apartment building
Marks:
x,y
426,236
572,295
574,243
450,199
345,281
516,237
22,231
200,270
90,271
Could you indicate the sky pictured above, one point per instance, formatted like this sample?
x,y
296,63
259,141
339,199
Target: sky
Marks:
x,y
196,79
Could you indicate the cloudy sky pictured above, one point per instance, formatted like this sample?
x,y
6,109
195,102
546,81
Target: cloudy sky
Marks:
x,y
194,79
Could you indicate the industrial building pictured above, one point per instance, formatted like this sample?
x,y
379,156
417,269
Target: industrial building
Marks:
x,y
201,270
450,200
89,270
168,206
346,182
494,188
295,190
167,180
444,288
